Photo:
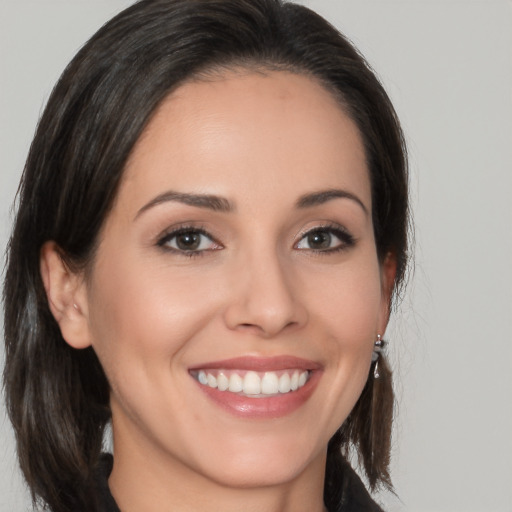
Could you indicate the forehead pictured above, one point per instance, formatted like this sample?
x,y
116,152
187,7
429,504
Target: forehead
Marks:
x,y
249,132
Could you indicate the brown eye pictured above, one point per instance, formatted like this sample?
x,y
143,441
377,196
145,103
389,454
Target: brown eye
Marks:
x,y
326,239
188,241
319,240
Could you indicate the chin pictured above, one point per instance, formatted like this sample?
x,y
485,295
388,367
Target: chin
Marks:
x,y
262,462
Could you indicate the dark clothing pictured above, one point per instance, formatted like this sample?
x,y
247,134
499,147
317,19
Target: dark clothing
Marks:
x,y
349,496
105,498
344,491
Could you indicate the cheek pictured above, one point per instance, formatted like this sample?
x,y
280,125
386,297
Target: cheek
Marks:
x,y
143,320
142,313
347,313
349,300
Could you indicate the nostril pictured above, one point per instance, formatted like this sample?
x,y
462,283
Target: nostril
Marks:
x,y
250,327
264,307
267,331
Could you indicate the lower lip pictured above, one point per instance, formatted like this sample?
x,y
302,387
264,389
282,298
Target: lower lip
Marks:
x,y
262,407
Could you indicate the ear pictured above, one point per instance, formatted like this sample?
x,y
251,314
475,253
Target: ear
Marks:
x,y
67,296
388,274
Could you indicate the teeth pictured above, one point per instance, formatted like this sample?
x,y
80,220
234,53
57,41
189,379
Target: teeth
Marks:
x,y
222,382
201,377
211,380
284,383
236,384
294,384
253,383
269,384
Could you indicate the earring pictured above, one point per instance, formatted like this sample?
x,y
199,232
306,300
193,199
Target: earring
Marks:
x,y
378,346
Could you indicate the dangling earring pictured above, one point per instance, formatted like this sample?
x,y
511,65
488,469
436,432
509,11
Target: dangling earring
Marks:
x,y
378,347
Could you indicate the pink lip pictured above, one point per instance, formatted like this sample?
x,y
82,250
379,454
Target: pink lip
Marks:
x,y
262,407
258,364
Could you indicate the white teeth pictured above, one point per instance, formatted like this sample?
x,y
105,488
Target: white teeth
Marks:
x,y
284,383
252,383
236,383
294,383
269,384
222,382
201,377
211,380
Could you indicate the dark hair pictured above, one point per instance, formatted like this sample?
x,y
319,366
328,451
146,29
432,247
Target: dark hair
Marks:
x,y
58,397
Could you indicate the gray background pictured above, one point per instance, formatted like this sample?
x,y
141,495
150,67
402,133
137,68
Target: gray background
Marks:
x,y
448,68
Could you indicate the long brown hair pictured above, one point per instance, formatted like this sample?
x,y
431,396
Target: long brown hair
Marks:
x,y
57,397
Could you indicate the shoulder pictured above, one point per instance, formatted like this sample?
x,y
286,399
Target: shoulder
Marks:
x,y
106,502
345,491
356,498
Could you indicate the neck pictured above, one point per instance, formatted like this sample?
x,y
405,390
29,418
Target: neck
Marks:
x,y
145,480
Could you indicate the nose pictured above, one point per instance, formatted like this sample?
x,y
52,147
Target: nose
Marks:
x,y
264,298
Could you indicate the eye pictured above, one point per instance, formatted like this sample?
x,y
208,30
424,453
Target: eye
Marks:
x,y
188,240
326,239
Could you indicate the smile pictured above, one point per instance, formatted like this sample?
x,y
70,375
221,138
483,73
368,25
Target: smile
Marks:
x,y
251,383
258,387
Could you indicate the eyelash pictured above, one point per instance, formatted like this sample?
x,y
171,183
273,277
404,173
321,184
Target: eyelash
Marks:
x,y
346,240
167,237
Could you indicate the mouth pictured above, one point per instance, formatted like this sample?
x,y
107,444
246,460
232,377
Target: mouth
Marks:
x,y
253,384
256,386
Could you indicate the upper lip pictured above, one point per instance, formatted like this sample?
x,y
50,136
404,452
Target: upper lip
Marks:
x,y
258,363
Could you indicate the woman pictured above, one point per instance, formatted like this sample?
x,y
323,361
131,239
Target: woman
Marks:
x,y
212,224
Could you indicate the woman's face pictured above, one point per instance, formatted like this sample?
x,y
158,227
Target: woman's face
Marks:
x,y
236,292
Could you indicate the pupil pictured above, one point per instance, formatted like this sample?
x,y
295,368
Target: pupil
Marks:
x,y
319,240
188,241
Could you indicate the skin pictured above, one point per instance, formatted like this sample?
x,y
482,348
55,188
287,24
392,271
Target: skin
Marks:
x,y
151,311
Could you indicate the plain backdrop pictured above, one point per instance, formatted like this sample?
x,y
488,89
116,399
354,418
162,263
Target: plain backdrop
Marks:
x,y
447,65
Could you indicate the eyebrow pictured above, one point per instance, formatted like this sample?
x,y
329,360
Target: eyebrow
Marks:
x,y
323,196
221,204
208,201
